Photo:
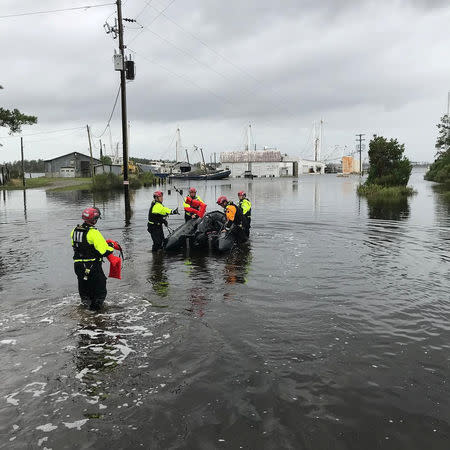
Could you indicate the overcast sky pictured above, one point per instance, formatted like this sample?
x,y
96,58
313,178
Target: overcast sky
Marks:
x,y
213,67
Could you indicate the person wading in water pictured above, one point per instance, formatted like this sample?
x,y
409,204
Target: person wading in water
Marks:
x,y
90,247
156,218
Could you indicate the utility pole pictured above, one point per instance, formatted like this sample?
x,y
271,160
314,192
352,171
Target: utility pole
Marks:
x,y
360,140
123,92
90,151
101,149
23,167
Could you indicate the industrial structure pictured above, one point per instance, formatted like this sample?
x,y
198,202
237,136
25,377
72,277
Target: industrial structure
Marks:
x,y
259,163
73,164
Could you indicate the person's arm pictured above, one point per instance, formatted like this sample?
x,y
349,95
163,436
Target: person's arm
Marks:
x,y
95,238
162,210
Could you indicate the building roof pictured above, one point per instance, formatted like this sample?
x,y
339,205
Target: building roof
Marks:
x,y
71,153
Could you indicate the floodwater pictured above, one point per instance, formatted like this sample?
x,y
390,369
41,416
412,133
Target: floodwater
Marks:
x,y
329,330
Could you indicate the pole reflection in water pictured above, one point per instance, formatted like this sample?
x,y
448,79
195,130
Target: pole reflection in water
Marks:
x,y
25,204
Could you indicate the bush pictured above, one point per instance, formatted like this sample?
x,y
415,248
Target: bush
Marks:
x,y
388,166
107,182
386,193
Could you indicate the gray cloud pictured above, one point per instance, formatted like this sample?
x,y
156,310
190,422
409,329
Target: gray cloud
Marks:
x,y
363,66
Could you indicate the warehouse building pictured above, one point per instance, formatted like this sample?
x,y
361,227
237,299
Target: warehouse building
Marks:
x,y
73,164
259,163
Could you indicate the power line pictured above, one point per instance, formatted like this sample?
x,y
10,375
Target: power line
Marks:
x,y
110,116
41,132
154,18
56,10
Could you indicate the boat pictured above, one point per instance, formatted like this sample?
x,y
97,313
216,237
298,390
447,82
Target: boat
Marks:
x,y
182,170
177,240
217,175
200,234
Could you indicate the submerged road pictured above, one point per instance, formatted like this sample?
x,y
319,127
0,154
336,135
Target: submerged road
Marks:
x,y
329,329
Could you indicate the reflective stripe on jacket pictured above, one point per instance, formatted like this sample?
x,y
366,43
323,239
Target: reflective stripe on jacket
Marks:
x,y
88,244
157,213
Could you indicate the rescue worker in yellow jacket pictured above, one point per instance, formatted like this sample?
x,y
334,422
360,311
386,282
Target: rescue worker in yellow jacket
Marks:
x,y
156,218
89,248
193,194
235,218
246,207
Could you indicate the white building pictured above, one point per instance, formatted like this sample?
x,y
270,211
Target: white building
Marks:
x,y
308,166
259,163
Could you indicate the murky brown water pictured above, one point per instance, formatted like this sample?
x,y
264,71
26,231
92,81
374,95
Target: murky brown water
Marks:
x,y
329,330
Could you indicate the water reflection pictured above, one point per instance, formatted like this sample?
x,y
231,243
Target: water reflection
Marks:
x,y
237,265
158,274
25,204
96,352
200,278
389,210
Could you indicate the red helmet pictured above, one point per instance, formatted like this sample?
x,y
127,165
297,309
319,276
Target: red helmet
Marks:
x,y
91,215
221,200
192,190
157,194
241,193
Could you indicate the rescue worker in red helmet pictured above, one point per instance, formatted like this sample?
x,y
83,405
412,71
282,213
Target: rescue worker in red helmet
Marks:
x,y
156,218
193,194
246,208
90,248
234,217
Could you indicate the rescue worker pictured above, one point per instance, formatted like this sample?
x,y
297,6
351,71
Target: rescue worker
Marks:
x,y
156,218
89,248
246,208
234,217
193,194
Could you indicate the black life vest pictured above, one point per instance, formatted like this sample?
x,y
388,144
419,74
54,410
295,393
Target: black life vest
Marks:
x,y
81,247
154,219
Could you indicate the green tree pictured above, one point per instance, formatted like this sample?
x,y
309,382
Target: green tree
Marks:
x,y
388,166
439,171
105,159
14,119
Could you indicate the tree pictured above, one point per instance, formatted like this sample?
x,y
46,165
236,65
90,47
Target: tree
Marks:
x,y
14,119
105,159
439,171
388,166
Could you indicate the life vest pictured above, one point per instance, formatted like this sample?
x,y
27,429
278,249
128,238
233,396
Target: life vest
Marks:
x,y
83,251
246,207
234,214
196,206
157,218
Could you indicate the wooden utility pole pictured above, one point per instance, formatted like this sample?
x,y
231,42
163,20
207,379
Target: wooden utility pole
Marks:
x,y
90,151
123,98
123,92
101,150
23,167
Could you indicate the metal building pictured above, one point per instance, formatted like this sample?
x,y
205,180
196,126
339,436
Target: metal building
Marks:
x,y
263,163
73,164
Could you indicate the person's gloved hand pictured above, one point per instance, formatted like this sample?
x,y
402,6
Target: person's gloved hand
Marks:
x,y
194,216
175,211
113,244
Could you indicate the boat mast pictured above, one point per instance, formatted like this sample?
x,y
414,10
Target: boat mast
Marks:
x,y
178,148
